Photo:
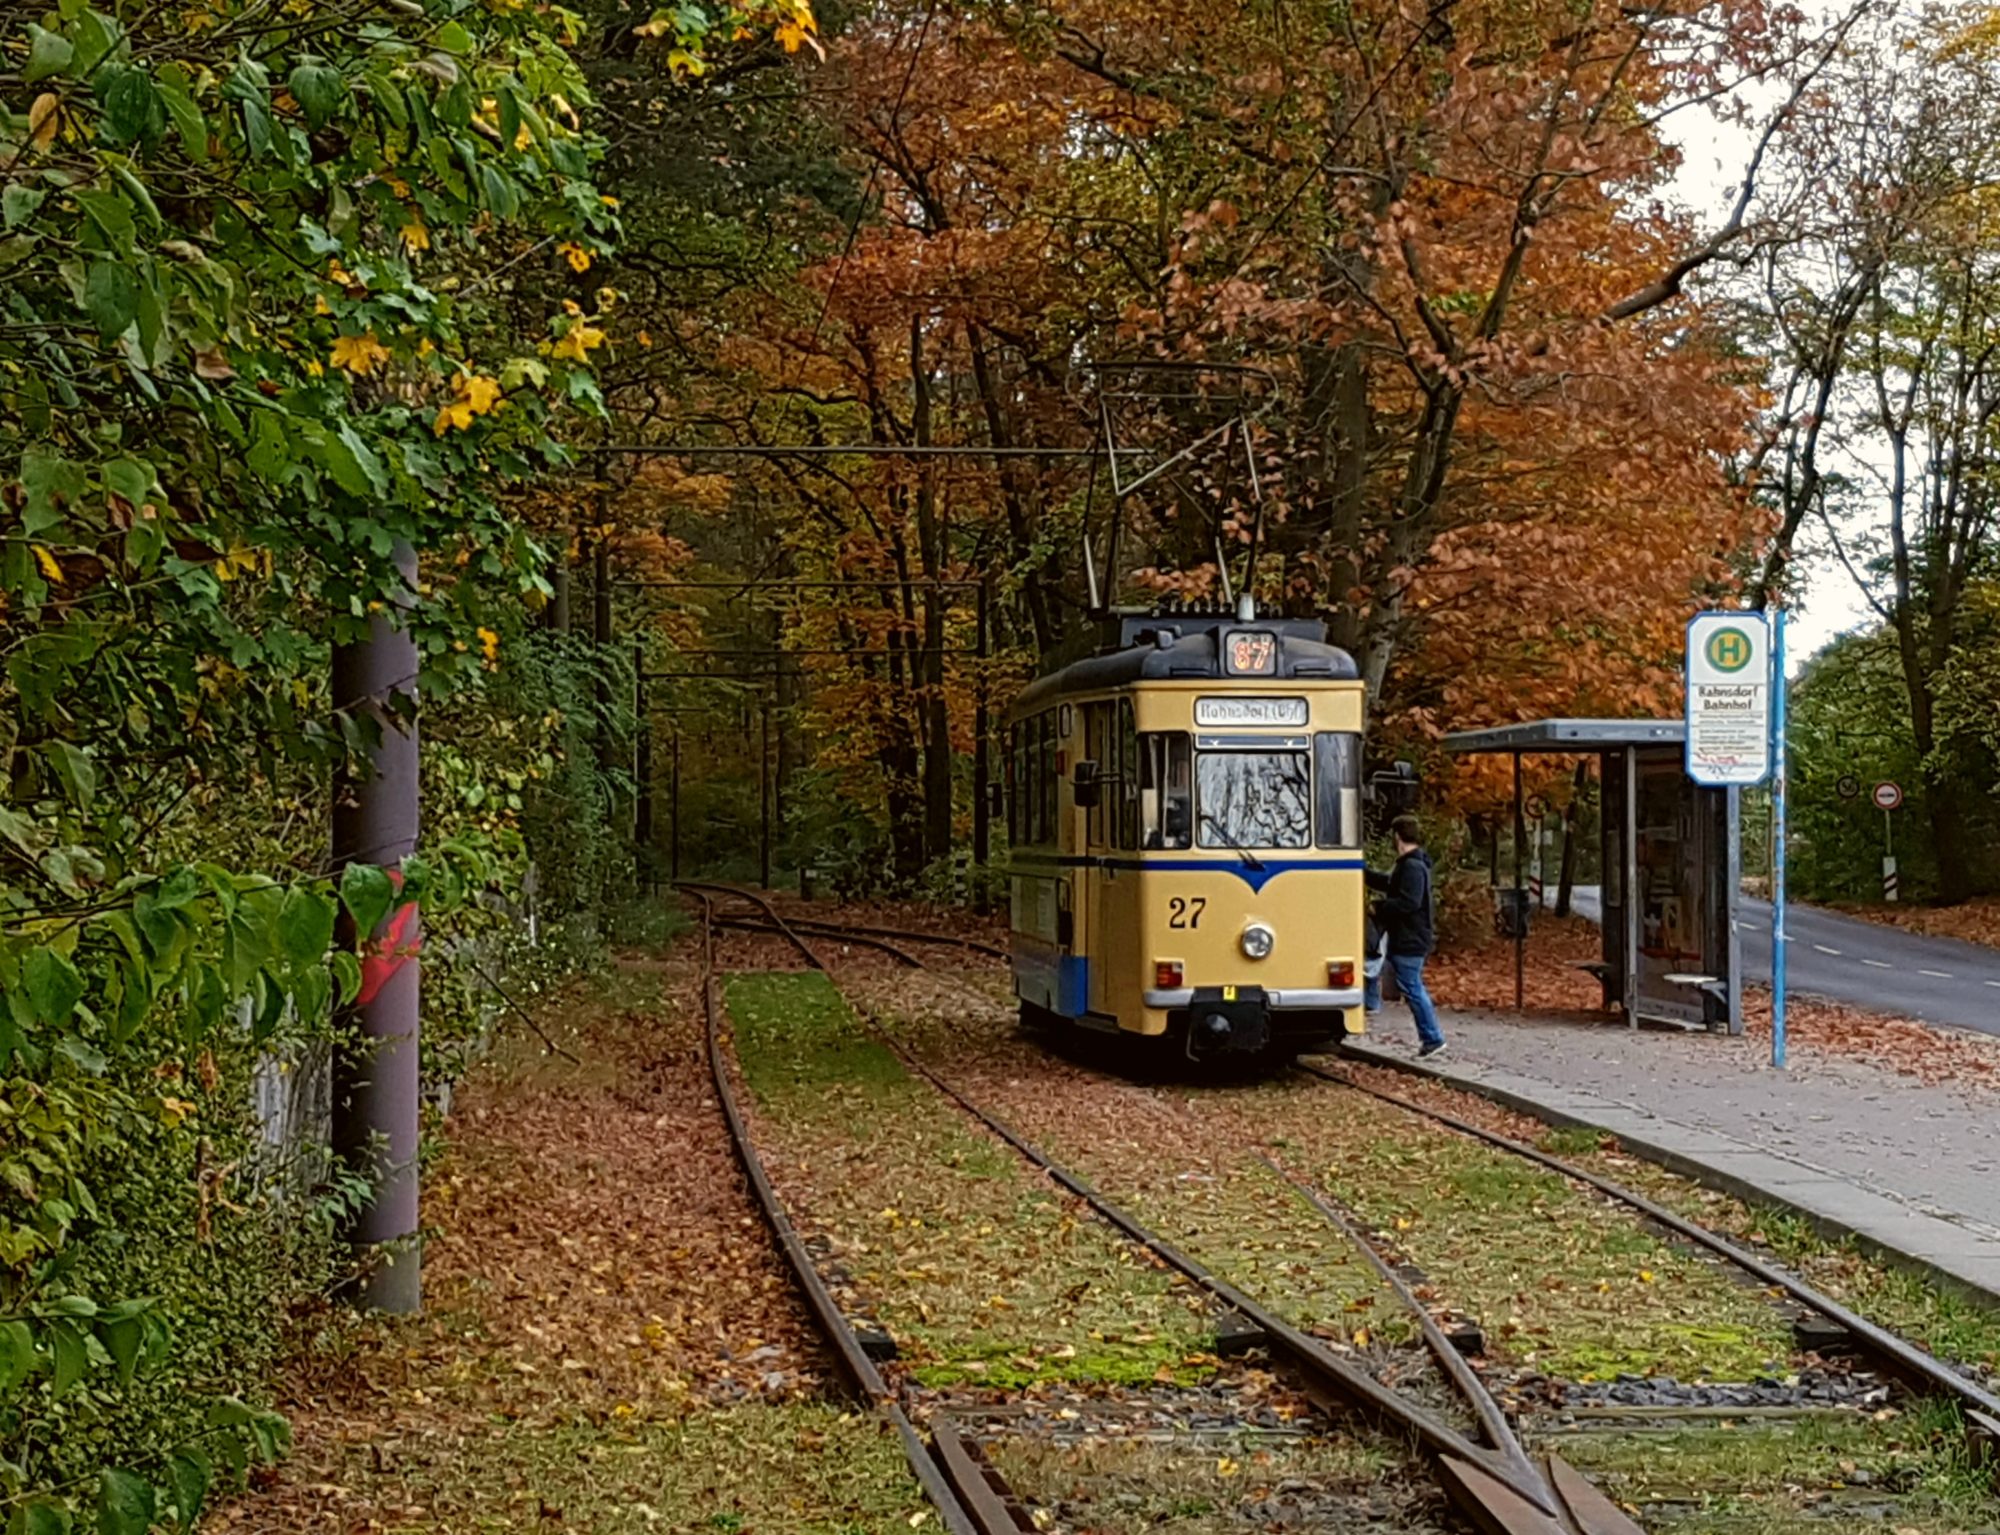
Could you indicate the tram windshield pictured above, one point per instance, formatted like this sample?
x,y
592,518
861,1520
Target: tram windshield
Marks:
x,y
1254,799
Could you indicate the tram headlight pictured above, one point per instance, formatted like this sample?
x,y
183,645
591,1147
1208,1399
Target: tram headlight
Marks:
x,y
1258,941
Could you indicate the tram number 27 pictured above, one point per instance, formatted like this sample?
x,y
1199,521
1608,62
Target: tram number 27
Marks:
x,y
1185,911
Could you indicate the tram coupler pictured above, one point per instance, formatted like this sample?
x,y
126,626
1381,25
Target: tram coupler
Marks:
x,y
1227,1020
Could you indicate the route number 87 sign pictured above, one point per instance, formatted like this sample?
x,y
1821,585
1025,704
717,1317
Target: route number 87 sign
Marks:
x,y
1728,699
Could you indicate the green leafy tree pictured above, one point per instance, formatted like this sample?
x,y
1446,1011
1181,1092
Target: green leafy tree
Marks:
x,y
281,291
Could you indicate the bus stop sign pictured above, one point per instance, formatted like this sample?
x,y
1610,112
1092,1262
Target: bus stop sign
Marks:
x,y
1728,699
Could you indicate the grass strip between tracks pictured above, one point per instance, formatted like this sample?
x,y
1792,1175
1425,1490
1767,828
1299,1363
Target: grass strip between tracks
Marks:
x,y
1564,1283
980,1271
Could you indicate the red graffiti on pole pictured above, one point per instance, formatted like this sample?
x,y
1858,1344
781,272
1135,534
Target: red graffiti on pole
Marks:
x,y
400,941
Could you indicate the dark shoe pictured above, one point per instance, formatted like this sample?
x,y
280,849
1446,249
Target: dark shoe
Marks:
x,y
1427,1051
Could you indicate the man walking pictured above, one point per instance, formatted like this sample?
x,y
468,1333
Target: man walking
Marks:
x,y
1404,913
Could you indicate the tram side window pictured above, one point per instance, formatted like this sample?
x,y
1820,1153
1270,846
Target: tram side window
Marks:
x,y
1337,783
1046,725
1166,797
1127,835
1015,780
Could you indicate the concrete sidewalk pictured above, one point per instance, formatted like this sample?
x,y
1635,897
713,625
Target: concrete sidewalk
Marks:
x,y
1907,1169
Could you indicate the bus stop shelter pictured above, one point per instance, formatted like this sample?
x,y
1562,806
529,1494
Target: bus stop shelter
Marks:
x,y
1672,867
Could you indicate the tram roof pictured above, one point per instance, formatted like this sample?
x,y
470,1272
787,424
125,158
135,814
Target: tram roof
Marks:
x,y
1184,649
1567,736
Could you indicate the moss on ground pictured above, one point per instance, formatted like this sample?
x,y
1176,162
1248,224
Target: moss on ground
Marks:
x,y
1560,1279
979,1269
1828,1475
802,1469
1947,1322
1121,1486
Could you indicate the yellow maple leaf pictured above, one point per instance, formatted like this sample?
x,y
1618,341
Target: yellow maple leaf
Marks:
x,y
457,414
51,566
480,392
1226,1467
577,257
577,345
796,34
415,236
489,645
359,355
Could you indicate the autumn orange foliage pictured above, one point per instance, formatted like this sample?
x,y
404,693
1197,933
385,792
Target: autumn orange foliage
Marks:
x,y
1496,446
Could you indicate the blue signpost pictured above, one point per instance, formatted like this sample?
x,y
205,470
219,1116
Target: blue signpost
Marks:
x,y
1778,837
1736,739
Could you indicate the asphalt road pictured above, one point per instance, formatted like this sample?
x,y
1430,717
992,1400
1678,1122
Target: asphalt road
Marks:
x,y
1867,964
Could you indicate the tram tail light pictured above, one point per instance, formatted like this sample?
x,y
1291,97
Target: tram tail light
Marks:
x,y
1167,974
1340,973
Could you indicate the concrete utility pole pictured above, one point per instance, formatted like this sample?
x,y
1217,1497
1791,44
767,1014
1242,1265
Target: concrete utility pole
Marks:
x,y
376,1088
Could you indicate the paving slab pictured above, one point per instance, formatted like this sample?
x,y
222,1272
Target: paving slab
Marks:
x,y
1905,1168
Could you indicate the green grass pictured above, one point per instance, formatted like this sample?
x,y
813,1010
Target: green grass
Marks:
x,y
1560,1279
1945,1321
1120,1486
976,1267
1784,1477
812,1470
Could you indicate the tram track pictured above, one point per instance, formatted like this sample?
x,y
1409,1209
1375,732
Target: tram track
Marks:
x,y
968,1494
1489,1477
1895,1356
1532,1488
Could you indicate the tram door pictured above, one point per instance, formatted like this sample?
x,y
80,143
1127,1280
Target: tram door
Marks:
x,y
1114,879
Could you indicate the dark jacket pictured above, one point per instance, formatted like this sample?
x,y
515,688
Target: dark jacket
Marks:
x,y
1405,908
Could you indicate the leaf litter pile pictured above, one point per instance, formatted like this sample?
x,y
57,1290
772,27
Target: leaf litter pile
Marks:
x,y
1090,1366
610,1343
1584,1307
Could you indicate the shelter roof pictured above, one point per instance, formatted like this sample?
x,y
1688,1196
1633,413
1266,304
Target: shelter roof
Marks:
x,y
1567,736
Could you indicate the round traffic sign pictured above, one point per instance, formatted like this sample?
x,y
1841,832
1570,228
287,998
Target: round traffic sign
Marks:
x,y
1887,796
1537,808
1848,786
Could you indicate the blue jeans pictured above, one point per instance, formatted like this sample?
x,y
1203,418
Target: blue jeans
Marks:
x,y
1409,970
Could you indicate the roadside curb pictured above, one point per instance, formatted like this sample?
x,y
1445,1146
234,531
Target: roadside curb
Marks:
x,y
1962,1258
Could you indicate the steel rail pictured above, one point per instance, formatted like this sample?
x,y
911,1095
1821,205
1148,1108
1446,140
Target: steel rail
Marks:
x,y
1491,1418
1897,1355
1502,1493
960,1508
867,933
829,927
714,888
1498,1487
761,924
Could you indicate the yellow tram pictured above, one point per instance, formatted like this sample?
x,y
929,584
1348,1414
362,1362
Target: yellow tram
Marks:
x,y
1185,817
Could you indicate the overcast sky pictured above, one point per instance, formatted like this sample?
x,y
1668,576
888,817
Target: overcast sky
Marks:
x,y
1714,155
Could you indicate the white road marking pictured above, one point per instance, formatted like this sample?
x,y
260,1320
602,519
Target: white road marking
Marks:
x,y
1879,964
1994,984
1941,975
1825,950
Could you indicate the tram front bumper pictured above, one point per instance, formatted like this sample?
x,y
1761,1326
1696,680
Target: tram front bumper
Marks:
x,y
1279,999
1227,1020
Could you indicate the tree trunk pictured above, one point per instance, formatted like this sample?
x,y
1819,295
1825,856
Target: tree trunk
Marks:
x,y
936,719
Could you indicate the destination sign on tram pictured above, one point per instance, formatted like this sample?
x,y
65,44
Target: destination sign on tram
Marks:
x,y
1250,711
